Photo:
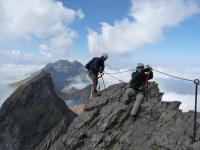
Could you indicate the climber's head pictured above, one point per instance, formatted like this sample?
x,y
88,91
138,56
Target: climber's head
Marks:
x,y
140,67
104,56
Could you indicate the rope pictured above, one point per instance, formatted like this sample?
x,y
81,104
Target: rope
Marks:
x,y
180,78
104,83
114,77
174,76
121,71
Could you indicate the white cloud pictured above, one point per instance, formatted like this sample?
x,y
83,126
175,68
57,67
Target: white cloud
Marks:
x,y
42,20
173,89
146,26
8,56
17,56
22,18
10,73
188,100
6,91
58,44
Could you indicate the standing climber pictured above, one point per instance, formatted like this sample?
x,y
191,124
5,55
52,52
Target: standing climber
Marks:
x,y
137,86
96,67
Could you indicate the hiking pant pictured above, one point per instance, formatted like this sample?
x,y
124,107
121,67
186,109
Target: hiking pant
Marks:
x,y
94,78
139,97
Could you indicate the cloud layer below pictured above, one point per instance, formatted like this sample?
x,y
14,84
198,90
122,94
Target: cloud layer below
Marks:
x,y
174,90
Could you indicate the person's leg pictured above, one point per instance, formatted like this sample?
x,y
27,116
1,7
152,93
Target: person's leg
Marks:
x,y
138,102
95,83
129,92
92,88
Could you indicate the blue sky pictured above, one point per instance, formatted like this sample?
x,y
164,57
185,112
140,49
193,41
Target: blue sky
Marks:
x,y
179,42
174,44
96,11
180,45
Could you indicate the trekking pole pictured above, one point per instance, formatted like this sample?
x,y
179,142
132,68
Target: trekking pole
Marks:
x,y
103,82
91,93
99,88
196,82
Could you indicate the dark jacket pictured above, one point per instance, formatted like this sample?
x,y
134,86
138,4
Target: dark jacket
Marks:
x,y
96,65
138,79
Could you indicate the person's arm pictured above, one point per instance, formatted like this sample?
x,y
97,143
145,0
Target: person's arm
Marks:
x,y
101,65
101,69
87,66
149,71
150,75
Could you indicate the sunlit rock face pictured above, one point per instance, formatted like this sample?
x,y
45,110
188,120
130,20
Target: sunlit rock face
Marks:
x,y
107,124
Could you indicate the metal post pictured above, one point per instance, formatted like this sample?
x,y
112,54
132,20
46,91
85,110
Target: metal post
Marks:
x,y
196,82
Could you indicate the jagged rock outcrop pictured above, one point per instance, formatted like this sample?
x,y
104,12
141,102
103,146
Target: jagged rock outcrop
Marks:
x,y
34,117
107,124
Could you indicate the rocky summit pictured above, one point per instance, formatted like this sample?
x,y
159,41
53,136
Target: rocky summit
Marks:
x,y
34,117
107,124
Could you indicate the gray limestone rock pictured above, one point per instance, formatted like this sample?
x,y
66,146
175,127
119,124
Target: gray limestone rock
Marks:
x,y
107,124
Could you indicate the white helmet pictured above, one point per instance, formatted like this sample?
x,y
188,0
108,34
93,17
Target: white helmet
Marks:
x,y
105,56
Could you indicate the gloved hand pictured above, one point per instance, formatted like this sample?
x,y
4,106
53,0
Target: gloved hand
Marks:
x,y
100,74
149,67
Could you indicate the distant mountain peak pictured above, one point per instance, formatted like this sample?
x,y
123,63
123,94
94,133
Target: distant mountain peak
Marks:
x,y
64,74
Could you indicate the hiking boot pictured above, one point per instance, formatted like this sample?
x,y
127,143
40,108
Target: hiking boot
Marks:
x,y
126,101
96,93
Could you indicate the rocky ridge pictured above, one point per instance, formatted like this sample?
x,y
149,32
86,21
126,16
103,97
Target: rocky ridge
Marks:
x,y
107,124
34,117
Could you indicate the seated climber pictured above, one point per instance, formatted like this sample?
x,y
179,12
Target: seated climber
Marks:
x,y
137,86
95,67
